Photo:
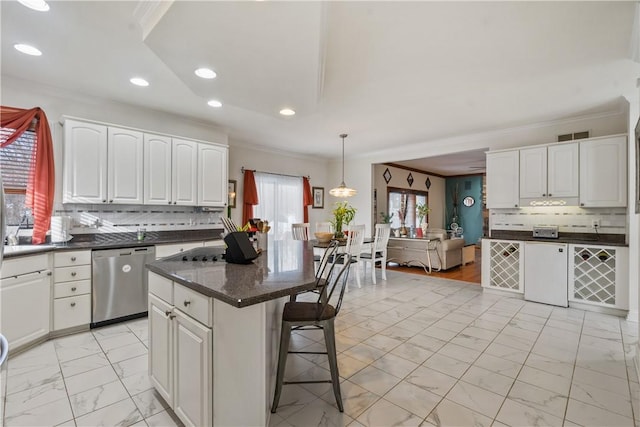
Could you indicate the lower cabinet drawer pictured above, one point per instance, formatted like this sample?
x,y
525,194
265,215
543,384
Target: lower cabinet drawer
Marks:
x,y
76,272
194,304
70,289
71,311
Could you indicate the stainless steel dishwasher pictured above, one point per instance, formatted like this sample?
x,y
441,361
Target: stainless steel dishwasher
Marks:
x,y
120,284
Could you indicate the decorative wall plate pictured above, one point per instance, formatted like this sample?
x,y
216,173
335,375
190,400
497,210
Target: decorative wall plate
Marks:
x,y
468,201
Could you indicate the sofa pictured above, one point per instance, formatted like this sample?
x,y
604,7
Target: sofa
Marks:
x,y
450,250
410,251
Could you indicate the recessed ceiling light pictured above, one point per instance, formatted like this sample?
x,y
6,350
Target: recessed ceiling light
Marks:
x,y
215,103
139,81
287,112
39,5
206,73
27,49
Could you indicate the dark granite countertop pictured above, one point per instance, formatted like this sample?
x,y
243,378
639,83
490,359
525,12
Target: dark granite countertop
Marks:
x,y
575,238
286,267
115,240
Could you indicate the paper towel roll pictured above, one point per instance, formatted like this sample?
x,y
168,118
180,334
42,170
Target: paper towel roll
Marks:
x,y
60,229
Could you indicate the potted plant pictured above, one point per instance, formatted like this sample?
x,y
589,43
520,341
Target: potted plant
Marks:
x,y
386,218
343,214
423,210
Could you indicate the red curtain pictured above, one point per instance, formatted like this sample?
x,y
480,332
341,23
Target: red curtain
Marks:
x,y
250,196
307,198
40,189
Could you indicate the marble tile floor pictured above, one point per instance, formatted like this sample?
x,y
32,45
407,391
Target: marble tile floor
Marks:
x,y
413,350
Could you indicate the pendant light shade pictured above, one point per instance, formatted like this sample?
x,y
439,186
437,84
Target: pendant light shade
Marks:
x,y
342,190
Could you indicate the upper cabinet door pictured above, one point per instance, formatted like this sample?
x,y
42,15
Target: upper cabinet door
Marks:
x,y
212,175
125,150
502,179
157,170
85,163
562,172
603,172
533,173
184,172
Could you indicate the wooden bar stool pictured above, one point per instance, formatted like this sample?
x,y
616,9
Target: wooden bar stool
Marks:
x,y
298,315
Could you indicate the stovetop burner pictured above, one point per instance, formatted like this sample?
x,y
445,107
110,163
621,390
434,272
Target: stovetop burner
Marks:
x,y
206,254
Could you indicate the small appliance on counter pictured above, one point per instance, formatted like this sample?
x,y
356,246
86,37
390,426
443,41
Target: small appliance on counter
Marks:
x,y
545,231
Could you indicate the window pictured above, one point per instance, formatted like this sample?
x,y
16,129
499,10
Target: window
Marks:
x,y
15,164
280,203
413,197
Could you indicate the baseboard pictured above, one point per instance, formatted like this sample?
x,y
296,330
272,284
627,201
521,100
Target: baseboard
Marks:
x,y
598,309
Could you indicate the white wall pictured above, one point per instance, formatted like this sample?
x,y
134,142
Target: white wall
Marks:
x,y
256,158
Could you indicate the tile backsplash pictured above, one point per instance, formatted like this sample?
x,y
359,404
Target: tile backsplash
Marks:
x,y
128,218
569,219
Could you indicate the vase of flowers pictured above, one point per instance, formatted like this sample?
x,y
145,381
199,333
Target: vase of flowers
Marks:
x,y
423,210
343,214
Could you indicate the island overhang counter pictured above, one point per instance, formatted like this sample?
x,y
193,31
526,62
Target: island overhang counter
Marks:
x,y
214,329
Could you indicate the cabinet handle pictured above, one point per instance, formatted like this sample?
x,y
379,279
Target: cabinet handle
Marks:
x,y
167,313
73,274
73,304
186,302
73,289
73,258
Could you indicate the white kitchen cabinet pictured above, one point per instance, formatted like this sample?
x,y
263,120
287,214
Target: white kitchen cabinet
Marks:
x,y
184,170
502,179
71,289
181,350
85,163
193,398
603,172
124,166
161,345
598,275
503,265
212,175
174,248
25,299
157,169
549,174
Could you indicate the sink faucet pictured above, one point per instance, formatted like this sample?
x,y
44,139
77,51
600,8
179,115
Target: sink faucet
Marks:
x,y
13,239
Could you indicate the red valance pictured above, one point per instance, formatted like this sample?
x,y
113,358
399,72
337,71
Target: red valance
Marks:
x,y
250,196
41,186
307,198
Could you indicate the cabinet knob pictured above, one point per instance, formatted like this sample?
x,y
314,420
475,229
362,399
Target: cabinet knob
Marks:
x,y
73,289
167,313
186,302
515,205
73,304
581,204
550,194
169,201
73,273
172,316
175,203
73,258
48,273
110,201
104,200
544,195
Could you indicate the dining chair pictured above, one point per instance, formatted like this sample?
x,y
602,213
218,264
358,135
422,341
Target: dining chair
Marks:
x,y
324,227
378,251
298,315
322,270
300,231
355,241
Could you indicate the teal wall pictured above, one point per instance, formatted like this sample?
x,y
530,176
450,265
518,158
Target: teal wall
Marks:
x,y
469,218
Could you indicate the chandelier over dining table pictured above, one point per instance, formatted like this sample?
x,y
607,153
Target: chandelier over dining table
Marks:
x,y
342,190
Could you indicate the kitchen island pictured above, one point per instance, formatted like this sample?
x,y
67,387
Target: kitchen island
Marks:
x,y
214,329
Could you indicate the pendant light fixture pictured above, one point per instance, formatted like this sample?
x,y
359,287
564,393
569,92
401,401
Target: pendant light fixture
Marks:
x,y
342,190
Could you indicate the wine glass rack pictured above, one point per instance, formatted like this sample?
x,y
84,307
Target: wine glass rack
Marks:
x,y
594,274
506,258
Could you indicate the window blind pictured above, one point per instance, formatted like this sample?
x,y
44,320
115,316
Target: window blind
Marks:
x,y
16,159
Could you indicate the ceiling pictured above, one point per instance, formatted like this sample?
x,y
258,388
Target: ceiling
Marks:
x,y
386,73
